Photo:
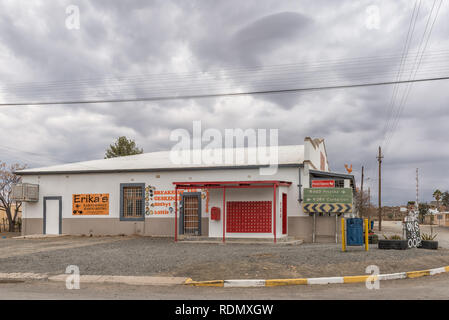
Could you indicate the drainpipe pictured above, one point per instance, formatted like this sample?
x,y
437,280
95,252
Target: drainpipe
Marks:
x,y
299,185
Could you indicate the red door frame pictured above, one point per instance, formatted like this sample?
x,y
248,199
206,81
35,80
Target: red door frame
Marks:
x,y
284,213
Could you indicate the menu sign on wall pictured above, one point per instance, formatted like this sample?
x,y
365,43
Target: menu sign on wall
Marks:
x,y
162,201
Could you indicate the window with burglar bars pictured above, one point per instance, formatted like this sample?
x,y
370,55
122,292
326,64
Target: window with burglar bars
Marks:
x,y
132,205
339,183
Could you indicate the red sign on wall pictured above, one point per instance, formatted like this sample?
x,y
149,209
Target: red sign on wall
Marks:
x,y
323,184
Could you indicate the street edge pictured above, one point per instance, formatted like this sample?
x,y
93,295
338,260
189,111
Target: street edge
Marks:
x,y
312,281
149,280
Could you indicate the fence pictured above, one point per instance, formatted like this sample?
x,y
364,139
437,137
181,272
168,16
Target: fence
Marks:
x,y
4,225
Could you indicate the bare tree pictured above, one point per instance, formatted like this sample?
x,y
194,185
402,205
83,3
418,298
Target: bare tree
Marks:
x,y
7,179
362,203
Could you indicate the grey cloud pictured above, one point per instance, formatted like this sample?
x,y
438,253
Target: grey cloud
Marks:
x,y
120,39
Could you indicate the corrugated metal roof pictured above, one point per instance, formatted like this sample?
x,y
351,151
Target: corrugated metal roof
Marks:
x,y
163,160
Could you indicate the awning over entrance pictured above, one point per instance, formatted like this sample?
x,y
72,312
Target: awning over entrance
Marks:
x,y
333,175
228,185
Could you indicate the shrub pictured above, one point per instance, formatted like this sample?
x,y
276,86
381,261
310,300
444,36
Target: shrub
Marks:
x,y
426,236
393,237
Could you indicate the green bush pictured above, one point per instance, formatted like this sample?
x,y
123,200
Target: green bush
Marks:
x,y
426,236
393,237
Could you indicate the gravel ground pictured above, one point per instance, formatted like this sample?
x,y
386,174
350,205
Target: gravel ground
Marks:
x,y
159,256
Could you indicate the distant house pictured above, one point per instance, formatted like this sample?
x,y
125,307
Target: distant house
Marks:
x,y
441,217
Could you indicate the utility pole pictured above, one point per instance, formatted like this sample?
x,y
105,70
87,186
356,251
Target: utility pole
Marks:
x,y
417,198
379,159
369,205
369,199
361,196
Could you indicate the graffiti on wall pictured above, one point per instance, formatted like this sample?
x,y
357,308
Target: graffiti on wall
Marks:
x,y
162,201
412,231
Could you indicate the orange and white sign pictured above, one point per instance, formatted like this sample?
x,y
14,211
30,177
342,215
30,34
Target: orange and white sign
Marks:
x,y
90,204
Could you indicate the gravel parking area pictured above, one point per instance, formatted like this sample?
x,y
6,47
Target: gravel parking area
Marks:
x,y
163,257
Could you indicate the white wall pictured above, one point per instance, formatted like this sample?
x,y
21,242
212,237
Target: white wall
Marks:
x,y
68,184
313,152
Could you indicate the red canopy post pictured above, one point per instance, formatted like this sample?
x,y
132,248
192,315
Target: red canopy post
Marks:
x,y
274,210
176,213
224,214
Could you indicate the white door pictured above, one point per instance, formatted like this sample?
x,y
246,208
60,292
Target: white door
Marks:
x,y
52,216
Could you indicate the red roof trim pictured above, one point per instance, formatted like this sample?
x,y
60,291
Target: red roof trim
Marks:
x,y
234,184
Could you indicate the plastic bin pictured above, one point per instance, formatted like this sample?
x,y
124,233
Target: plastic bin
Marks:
x,y
354,232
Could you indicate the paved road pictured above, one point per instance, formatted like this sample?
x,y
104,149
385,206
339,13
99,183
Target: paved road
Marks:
x,y
434,287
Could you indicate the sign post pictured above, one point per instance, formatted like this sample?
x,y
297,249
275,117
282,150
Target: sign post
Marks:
x,y
366,235
327,200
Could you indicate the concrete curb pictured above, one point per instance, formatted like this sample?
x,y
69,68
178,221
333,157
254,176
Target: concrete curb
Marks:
x,y
41,236
311,281
237,283
247,242
130,280
23,276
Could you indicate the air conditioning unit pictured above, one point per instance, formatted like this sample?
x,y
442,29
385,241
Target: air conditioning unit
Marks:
x,y
25,192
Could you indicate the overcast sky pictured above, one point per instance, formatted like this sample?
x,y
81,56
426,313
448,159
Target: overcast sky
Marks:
x,y
132,38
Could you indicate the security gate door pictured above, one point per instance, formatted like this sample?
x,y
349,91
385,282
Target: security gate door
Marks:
x,y
191,204
248,216
284,213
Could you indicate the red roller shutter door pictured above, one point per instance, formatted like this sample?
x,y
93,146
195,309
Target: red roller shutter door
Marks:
x,y
248,216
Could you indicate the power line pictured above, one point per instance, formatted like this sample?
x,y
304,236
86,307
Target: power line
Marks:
x,y
234,69
405,50
404,57
256,85
410,84
372,67
216,95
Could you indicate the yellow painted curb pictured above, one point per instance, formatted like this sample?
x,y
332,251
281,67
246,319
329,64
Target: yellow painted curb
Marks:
x,y
212,283
284,282
357,279
417,274
302,281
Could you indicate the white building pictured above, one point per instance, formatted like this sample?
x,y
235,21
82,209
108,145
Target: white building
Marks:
x,y
136,195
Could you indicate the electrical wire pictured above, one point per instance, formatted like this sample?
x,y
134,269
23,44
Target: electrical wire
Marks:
x,y
216,95
410,84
